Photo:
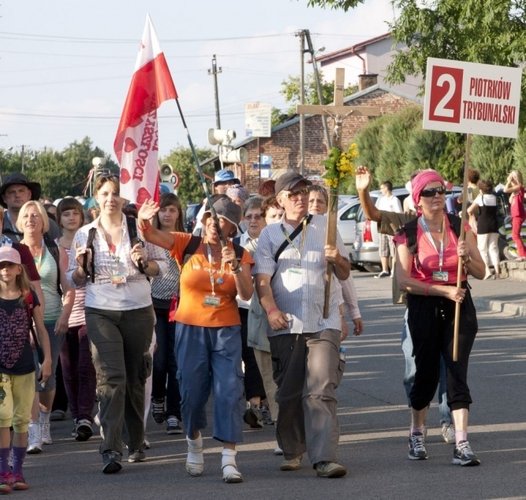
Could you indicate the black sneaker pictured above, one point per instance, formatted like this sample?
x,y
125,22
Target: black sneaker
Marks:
x,y
158,411
83,430
111,461
253,417
173,425
463,455
417,449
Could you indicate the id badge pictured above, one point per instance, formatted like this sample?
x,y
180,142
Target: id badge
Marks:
x,y
294,278
440,275
211,300
117,279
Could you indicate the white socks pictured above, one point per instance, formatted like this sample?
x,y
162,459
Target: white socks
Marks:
x,y
228,465
195,462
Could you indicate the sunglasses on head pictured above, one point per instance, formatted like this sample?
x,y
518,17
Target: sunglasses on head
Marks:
x,y
432,192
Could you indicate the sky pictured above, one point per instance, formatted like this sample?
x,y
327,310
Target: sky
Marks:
x,y
66,65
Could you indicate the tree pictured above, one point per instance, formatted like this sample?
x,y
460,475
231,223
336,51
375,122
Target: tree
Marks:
x,y
493,157
335,4
181,159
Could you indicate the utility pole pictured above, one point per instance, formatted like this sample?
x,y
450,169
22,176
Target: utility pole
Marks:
x,y
318,87
301,34
22,150
214,71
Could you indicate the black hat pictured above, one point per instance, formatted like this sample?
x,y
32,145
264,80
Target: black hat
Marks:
x,y
289,180
18,178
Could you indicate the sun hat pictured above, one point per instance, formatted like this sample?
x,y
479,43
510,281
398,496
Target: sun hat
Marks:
x,y
226,209
18,178
223,175
288,180
9,254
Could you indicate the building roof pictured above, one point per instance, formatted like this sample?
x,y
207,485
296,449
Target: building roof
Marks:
x,y
333,57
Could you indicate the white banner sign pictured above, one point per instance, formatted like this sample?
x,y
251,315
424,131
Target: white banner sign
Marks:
x,y
258,118
472,98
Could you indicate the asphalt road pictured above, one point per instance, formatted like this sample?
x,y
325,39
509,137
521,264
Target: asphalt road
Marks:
x,y
374,422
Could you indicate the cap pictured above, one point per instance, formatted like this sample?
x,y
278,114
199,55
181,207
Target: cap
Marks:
x,y
288,180
224,175
227,210
9,254
18,178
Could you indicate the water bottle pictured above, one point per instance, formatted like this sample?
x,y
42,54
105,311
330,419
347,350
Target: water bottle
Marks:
x,y
343,350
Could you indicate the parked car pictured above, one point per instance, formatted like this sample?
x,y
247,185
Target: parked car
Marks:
x,y
191,212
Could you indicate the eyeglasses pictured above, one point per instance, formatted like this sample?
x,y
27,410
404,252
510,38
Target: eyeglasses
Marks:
x,y
254,216
296,194
432,192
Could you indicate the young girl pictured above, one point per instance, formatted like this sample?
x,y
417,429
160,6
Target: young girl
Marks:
x,y
17,364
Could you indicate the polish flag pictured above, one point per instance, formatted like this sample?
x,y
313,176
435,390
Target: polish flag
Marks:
x,y
136,142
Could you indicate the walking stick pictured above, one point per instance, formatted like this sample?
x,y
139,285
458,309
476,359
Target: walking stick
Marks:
x,y
461,238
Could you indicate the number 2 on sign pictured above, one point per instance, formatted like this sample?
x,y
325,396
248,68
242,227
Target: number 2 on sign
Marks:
x,y
446,94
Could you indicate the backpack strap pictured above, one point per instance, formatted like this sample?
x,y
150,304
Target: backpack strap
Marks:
x,y
410,230
191,247
131,223
52,247
90,273
287,241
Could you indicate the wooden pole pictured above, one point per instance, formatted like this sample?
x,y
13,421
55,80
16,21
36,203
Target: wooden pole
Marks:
x,y
330,239
462,236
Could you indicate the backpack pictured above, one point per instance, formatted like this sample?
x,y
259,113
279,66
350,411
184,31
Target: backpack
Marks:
x,y
195,241
131,223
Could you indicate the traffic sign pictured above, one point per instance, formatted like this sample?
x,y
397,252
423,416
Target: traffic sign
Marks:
x,y
472,98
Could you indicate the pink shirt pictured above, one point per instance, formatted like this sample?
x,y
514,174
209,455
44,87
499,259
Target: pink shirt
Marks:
x,y
427,260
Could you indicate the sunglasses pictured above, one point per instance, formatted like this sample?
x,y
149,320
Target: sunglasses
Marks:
x,y
432,192
299,192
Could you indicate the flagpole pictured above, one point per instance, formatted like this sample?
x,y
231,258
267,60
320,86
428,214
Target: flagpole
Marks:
x,y
202,179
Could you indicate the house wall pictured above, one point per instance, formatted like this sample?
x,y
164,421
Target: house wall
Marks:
x,y
283,146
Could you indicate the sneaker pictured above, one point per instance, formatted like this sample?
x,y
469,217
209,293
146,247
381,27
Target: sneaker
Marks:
x,y
266,415
83,430
45,430
111,461
136,456
291,464
158,412
417,449
253,417
278,451
383,274
5,483
448,433
18,482
173,425
34,439
57,415
463,455
330,469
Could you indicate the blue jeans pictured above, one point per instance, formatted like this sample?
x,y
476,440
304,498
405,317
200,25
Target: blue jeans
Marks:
x,y
164,373
409,375
210,359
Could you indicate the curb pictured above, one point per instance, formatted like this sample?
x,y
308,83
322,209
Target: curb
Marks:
x,y
499,306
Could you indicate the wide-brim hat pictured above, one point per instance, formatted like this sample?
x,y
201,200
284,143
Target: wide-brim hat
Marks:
x,y
18,178
226,209
289,180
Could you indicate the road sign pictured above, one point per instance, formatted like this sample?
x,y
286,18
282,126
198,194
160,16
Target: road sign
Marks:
x,y
472,98
258,119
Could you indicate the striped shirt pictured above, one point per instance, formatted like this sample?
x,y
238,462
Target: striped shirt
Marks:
x,y
135,293
298,284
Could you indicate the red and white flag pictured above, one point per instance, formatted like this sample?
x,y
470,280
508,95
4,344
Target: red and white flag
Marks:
x,y
136,142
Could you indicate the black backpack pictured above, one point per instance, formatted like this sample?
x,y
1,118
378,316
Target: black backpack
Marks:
x,y
195,241
52,247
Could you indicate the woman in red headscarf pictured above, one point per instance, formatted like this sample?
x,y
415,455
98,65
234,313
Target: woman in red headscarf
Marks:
x,y
428,252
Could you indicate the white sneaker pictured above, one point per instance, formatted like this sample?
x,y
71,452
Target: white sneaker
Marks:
x,y
45,430
34,439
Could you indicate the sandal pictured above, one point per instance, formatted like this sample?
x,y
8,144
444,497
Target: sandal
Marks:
x,y
231,474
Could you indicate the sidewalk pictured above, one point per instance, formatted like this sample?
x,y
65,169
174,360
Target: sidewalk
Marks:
x,y
506,295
